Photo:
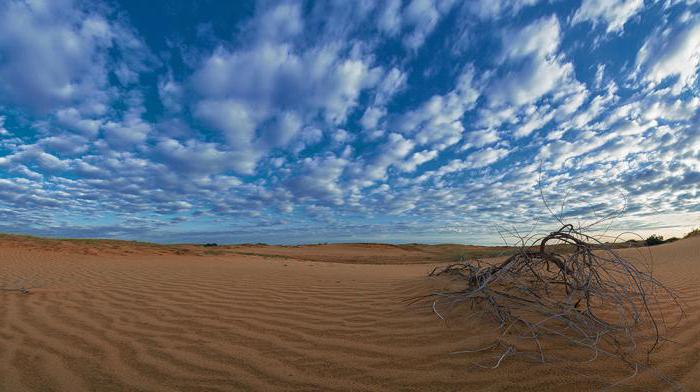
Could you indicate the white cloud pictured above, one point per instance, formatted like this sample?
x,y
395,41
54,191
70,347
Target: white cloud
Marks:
x,y
318,179
421,17
262,96
418,159
392,82
539,86
56,54
35,155
342,136
284,128
234,118
599,75
675,110
485,157
536,78
536,120
238,125
540,39
475,160
310,136
391,153
72,119
437,122
3,131
494,9
481,138
193,156
534,47
129,133
614,13
389,20
595,107
342,110
65,144
370,119
170,93
280,23
272,77
671,52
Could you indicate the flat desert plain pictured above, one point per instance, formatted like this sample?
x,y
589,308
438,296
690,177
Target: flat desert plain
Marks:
x,y
119,316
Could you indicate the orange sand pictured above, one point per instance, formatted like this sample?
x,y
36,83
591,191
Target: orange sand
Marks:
x,y
120,316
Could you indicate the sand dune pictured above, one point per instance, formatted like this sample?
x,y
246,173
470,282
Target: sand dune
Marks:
x,y
131,319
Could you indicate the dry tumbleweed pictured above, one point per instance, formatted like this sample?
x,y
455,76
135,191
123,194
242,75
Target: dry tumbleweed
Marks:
x,y
566,286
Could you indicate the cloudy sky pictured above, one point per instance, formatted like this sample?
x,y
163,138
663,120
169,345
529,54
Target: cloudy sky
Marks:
x,y
288,122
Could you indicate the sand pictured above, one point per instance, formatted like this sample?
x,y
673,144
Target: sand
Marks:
x,y
128,317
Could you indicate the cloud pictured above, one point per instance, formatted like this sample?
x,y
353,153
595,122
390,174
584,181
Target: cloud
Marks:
x,y
538,39
270,77
3,131
391,153
318,179
392,82
343,118
279,23
56,54
438,121
170,93
535,79
418,159
260,97
672,110
671,52
613,13
485,157
72,119
480,138
422,16
128,133
194,157
538,85
370,119
389,20
534,49
235,119
65,144
494,9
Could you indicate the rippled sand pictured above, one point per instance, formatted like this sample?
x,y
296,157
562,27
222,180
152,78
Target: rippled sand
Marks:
x,y
130,320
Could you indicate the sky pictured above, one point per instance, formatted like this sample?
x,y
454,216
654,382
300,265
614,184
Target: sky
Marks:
x,y
333,121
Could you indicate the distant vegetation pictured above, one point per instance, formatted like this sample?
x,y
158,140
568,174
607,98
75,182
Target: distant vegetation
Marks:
x,y
693,233
655,239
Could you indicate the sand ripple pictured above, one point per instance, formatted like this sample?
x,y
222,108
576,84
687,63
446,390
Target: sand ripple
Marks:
x,y
241,322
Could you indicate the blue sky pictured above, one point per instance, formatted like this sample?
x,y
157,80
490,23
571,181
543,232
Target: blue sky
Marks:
x,y
400,121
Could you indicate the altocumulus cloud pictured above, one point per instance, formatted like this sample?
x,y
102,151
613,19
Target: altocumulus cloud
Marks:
x,y
416,120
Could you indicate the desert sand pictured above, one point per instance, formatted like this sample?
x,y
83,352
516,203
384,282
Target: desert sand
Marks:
x,y
118,316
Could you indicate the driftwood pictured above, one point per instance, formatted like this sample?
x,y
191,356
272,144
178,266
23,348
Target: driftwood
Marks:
x,y
583,294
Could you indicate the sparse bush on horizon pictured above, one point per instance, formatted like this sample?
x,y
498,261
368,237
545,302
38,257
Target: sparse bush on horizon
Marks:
x,y
693,233
655,239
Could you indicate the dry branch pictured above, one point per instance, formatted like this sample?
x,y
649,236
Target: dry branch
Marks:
x,y
586,296
22,285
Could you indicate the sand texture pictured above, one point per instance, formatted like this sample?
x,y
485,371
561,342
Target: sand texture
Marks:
x,y
129,317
